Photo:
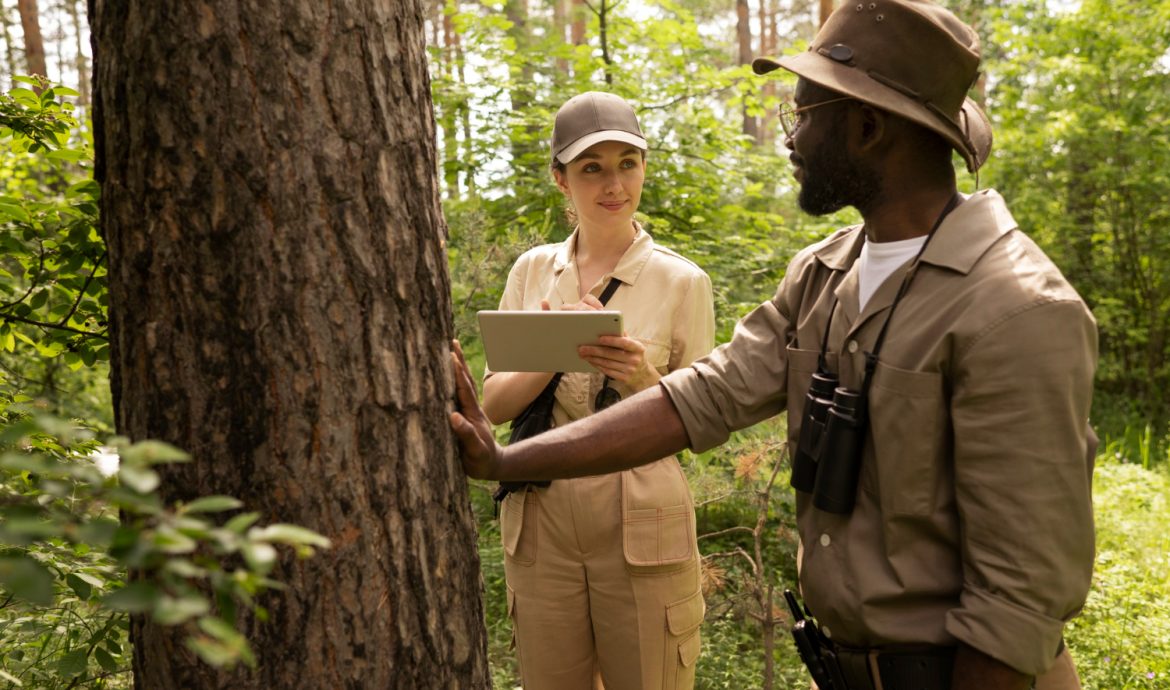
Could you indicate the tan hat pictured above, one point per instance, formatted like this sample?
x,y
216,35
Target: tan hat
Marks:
x,y
590,118
910,57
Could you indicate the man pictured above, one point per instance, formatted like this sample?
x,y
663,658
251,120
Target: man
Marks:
x,y
961,541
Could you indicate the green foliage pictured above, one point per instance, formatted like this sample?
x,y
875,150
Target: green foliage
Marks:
x,y
52,259
1122,638
64,549
1081,100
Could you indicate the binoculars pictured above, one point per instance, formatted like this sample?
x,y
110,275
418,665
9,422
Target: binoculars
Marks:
x,y
827,462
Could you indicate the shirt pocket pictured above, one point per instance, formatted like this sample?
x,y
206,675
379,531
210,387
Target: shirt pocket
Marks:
x,y
658,516
907,412
802,364
518,526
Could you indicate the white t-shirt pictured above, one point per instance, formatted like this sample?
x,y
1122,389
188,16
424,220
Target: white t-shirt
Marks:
x,y
879,259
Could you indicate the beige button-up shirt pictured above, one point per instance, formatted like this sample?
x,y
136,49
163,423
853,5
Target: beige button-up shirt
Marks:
x,y
665,301
973,519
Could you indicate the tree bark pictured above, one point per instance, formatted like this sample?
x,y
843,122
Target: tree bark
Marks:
x,y
577,27
279,307
34,46
743,34
826,8
559,26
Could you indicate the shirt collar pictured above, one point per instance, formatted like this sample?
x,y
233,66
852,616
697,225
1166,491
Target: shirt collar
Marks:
x,y
963,237
628,268
969,231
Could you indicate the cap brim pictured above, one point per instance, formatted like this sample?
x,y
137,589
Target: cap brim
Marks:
x,y
857,84
570,152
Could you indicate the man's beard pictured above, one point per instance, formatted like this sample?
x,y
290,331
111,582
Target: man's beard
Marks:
x,y
832,181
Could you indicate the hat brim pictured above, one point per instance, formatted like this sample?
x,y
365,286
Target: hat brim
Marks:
x,y
570,152
975,127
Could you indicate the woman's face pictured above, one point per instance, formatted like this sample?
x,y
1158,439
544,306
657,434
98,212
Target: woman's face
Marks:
x,y
604,184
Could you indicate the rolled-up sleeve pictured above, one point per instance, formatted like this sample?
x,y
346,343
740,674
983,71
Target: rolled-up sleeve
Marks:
x,y
738,384
1022,481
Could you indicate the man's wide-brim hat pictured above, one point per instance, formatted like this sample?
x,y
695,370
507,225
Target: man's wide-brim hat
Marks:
x,y
909,57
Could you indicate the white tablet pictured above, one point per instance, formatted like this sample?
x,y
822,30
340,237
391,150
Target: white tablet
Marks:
x,y
543,340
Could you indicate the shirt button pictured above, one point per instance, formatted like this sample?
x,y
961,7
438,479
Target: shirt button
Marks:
x,y
852,346
825,540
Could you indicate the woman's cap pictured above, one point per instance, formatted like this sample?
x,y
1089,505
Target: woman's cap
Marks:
x,y
909,57
590,118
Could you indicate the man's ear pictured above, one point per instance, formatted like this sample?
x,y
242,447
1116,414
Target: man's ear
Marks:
x,y
872,128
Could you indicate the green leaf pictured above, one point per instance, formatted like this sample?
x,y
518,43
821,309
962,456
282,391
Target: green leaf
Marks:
x,y
241,522
11,678
288,534
140,479
212,504
260,557
105,660
73,664
135,597
27,579
172,610
169,540
152,453
80,586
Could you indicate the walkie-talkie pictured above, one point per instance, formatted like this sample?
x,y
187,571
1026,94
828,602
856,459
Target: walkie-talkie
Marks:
x,y
810,645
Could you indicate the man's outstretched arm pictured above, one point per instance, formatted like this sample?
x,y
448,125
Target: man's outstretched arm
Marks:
x,y
636,431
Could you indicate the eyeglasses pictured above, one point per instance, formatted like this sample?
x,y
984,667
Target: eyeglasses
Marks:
x,y
789,121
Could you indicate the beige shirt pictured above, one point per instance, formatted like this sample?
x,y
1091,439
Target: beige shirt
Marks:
x,y
665,300
973,519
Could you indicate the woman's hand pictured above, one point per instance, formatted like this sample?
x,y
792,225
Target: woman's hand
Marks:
x,y
621,358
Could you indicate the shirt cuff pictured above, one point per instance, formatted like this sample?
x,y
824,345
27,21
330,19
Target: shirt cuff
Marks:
x,y
688,391
1025,640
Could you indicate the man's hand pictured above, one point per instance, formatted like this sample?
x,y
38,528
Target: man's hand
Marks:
x,y
481,454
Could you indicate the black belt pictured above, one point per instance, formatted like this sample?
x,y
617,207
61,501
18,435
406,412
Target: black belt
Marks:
x,y
929,669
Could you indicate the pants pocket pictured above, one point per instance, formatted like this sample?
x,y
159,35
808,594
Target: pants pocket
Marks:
x,y
658,520
518,526
683,620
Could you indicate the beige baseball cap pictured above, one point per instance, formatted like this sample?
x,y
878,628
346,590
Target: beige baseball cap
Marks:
x,y
590,118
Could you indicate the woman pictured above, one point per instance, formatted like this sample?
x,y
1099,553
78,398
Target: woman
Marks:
x,y
603,572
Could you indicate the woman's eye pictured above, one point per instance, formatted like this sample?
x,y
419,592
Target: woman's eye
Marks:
x,y
592,167
628,163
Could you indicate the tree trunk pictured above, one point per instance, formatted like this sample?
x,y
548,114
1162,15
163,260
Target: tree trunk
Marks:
x,y
34,47
81,64
826,8
279,307
743,33
559,26
9,53
577,28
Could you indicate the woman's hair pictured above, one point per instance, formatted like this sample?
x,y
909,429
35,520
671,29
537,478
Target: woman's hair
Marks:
x,y
570,212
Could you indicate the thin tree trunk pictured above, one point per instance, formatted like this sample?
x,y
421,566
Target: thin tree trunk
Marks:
x,y
447,113
578,16
34,46
743,34
826,8
603,34
83,75
559,26
9,53
279,307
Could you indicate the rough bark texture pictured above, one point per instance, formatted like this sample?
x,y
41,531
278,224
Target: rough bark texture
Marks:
x,y
34,46
280,308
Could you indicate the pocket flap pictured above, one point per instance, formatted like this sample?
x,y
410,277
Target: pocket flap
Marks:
x,y
688,650
685,615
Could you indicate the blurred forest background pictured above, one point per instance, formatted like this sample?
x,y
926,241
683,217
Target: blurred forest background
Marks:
x,y
1079,94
